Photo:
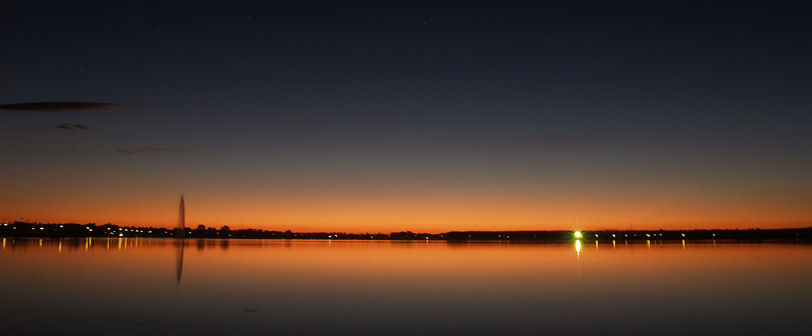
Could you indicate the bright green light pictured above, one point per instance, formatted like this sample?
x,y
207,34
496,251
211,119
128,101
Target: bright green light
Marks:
x,y
578,235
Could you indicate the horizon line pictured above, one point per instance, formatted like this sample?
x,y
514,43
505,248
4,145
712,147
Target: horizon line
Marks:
x,y
808,226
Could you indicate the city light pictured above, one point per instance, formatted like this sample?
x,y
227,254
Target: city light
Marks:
x,y
578,235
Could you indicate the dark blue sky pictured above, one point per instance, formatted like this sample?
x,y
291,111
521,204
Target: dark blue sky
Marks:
x,y
440,100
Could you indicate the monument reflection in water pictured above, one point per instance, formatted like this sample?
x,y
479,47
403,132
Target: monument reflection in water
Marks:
x,y
127,286
180,234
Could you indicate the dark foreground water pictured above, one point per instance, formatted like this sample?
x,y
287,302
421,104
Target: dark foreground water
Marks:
x,y
152,286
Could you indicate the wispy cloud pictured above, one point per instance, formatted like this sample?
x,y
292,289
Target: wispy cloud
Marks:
x,y
58,106
71,127
146,149
552,139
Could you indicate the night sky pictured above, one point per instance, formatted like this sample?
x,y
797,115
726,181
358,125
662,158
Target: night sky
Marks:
x,y
424,116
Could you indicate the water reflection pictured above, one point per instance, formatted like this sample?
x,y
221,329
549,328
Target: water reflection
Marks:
x,y
346,287
180,233
179,260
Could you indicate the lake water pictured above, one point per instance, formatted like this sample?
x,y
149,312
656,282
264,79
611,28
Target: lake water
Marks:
x,y
152,286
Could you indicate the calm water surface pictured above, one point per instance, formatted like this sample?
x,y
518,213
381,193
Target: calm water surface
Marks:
x,y
152,286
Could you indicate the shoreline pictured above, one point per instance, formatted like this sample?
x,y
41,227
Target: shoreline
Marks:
x,y
72,230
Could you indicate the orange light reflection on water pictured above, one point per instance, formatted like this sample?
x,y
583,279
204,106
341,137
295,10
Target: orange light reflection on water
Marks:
x,y
340,263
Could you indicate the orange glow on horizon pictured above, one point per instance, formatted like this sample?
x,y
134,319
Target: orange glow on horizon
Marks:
x,y
356,214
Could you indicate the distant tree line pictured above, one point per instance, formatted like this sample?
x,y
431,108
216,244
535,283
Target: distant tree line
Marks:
x,y
24,229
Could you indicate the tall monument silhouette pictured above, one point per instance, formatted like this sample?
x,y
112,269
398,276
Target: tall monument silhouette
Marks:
x,y
180,231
